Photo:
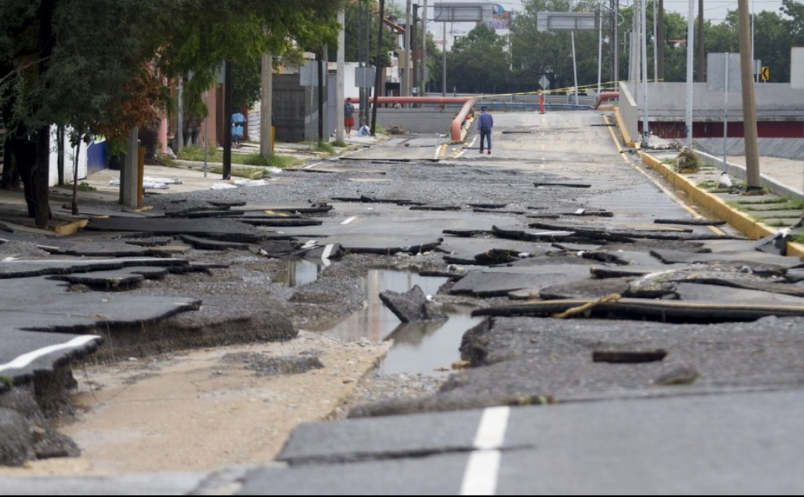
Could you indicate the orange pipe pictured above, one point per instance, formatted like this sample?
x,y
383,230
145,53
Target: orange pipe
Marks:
x,y
457,123
605,96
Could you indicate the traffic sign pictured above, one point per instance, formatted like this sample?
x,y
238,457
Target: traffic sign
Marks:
x,y
765,73
544,83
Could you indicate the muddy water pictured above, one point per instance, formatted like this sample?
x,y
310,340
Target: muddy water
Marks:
x,y
299,272
425,348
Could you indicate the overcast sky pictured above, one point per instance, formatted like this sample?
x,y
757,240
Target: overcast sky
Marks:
x,y
715,10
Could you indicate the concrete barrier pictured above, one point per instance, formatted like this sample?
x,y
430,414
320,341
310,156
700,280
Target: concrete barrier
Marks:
x,y
738,171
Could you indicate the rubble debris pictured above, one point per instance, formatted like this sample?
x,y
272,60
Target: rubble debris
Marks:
x,y
412,306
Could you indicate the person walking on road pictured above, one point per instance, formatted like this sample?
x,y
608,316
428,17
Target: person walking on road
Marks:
x,y
485,124
349,117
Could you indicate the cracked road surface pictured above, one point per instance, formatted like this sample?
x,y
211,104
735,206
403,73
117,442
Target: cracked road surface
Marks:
x,y
625,398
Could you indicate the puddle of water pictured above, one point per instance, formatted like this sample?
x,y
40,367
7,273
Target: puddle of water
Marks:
x,y
418,347
299,272
428,347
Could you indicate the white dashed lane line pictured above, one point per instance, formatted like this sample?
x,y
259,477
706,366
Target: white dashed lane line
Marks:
x,y
480,477
348,221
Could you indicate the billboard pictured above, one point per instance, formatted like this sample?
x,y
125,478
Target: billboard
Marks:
x,y
565,21
462,12
500,18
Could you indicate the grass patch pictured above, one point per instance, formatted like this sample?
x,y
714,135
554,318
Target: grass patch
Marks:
x,y
687,161
382,131
799,238
7,380
86,187
325,147
707,184
794,205
340,144
196,154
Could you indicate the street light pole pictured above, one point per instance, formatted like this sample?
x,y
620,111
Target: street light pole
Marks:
x,y
690,51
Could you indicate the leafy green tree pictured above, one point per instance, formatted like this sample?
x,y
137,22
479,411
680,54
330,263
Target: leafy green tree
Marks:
x,y
478,63
92,64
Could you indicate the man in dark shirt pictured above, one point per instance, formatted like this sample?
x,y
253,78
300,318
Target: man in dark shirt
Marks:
x,y
485,123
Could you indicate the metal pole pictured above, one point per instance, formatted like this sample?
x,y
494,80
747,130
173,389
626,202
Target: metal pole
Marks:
x,y
444,64
227,122
655,46
690,61
423,91
661,45
599,48
701,47
726,112
340,90
645,125
378,75
206,133
406,91
574,67
615,48
753,56
749,103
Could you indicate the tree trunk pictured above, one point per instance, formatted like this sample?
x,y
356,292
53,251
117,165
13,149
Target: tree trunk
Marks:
x,y
40,175
75,178
266,106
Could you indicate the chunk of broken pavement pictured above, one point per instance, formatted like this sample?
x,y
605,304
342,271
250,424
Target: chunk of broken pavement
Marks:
x,y
412,306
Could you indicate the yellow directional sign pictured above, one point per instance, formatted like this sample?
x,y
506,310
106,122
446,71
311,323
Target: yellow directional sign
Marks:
x,y
765,73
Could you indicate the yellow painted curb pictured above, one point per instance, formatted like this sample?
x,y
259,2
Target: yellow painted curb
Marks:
x,y
738,220
623,129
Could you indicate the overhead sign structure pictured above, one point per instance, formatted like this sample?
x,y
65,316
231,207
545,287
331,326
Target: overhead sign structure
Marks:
x,y
765,73
566,21
462,12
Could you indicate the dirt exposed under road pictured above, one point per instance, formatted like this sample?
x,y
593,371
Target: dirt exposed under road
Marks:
x,y
196,411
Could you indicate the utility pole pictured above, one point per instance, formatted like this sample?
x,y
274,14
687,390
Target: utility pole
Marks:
x,y
414,37
406,91
423,91
644,35
615,43
178,136
749,104
320,66
701,45
661,42
227,120
690,51
340,90
378,75
266,106
444,65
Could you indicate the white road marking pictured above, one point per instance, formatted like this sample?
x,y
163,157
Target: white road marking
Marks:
x,y
26,359
474,140
480,477
310,244
312,165
327,252
460,154
438,152
349,220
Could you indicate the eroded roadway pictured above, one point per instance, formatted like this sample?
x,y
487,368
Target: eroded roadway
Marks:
x,y
613,430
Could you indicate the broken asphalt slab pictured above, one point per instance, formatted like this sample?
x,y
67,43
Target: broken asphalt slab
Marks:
x,y
25,354
736,450
500,281
219,229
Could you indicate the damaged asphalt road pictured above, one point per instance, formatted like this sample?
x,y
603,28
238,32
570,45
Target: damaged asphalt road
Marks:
x,y
670,328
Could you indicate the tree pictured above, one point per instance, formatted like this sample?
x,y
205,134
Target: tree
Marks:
x,y
82,63
478,62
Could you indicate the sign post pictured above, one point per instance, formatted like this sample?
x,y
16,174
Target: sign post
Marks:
x,y
723,73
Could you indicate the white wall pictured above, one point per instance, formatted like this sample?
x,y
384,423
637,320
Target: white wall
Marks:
x,y
69,157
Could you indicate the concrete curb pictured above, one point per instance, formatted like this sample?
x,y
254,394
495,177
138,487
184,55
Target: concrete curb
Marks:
x,y
623,129
736,219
